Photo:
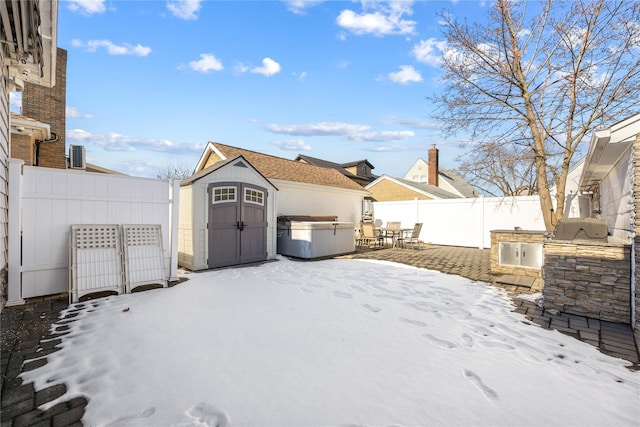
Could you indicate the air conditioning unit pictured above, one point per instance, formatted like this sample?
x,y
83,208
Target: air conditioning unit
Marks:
x,y
77,157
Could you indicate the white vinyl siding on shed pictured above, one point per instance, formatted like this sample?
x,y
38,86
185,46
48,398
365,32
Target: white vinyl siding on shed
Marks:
x,y
193,217
308,199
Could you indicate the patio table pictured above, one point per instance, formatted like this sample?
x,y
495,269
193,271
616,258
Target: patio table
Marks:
x,y
395,233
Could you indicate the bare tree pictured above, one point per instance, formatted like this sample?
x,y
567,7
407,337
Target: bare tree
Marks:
x,y
541,76
499,169
176,169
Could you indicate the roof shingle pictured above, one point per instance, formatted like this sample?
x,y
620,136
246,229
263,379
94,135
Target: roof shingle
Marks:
x,y
273,167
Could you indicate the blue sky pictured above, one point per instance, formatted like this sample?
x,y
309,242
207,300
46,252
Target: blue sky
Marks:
x,y
149,83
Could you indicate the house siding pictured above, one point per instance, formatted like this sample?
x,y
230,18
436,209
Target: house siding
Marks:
x,y
616,198
4,172
309,199
391,192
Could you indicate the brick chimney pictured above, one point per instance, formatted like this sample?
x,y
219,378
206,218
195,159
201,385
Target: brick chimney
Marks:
x,y
433,165
48,105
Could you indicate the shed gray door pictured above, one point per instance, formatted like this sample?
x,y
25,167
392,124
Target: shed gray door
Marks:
x,y
237,224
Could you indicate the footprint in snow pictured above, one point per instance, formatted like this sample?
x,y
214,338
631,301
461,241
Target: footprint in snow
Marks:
x,y
467,340
370,307
438,342
124,420
206,415
475,379
412,322
342,294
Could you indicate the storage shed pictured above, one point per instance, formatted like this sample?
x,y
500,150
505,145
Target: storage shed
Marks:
x,y
227,216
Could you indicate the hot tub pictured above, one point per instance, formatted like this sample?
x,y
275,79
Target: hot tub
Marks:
x,y
315,239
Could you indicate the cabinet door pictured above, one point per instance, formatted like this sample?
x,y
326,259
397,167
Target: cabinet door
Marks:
x,y
509,253
531,254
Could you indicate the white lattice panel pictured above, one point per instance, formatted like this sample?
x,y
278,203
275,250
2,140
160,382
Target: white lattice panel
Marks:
x,y
143,255
95,261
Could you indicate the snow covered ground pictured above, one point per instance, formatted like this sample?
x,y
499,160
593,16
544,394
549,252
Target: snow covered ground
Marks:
x,y
332,343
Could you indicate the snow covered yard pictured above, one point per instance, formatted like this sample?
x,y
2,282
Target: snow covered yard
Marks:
x,y
331,343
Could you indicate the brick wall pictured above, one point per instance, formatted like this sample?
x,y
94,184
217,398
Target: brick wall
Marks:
x,y
48,105
513,236
591,280
22,147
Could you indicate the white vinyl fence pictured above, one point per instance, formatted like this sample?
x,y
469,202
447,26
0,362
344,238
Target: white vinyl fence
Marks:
x,y
44,203
463,222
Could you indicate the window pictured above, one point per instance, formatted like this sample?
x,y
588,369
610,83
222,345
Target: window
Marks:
x,y
363,170
224,194
253,196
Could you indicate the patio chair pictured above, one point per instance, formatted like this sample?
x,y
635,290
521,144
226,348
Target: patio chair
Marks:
x,y
392,231
369,235
413,238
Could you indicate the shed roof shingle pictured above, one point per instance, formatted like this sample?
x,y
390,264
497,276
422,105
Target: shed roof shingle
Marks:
x,y
273,167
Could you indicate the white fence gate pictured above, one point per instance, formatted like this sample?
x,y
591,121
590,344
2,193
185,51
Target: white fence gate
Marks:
x,y
463,222
45,202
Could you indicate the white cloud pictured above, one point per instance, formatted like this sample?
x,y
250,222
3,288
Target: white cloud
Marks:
x,y
269,68
292,145
300,76
206,63
112,48
410,123
86,7
116,142
318,129
184,9
407,74
299,7
379,18
384,136
15,102
74,112
240,68
429,51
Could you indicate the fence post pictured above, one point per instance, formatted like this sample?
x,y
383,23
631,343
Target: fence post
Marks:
x,y
483,232
174,192
14,292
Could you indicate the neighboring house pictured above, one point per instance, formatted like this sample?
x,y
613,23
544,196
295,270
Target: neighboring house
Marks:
x,y
389,189
304,189
358,171
424,181
27,56
428,172
227,216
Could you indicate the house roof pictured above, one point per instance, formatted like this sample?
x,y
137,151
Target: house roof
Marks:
x,y
340,167
219,165
23,125
425,189
452,178
607,147
458,182
272,167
